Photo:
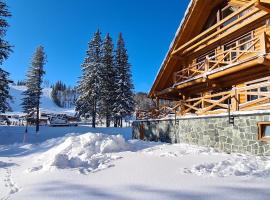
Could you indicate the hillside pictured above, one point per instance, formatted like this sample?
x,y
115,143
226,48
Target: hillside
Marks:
x,y
47,104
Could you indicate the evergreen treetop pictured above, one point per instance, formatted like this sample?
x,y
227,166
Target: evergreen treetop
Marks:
x,y
124,104
34,76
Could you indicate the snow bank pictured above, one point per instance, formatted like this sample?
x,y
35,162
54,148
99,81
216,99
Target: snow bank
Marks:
x,y
15,134
236,165
88,153
179,150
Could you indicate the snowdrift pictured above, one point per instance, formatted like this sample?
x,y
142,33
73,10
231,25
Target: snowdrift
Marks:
x,y
237,165
88,152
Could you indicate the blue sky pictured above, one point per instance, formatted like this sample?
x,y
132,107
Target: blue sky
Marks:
x,y
64,28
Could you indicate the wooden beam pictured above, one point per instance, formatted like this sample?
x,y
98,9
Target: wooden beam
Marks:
x,y
213,28
200,80
236,68
165,91
226,34
265,1
262,6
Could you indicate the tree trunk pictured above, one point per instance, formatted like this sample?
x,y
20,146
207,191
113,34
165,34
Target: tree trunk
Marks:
x,y
115,122
94,115
37,120
108,121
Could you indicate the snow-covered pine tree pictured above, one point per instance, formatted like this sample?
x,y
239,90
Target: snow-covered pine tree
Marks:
x,y
124,102
108,74
89,84
4,91
31,100
5,50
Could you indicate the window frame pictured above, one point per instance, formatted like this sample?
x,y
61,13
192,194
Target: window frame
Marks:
x,y
261,128
254,97
236,42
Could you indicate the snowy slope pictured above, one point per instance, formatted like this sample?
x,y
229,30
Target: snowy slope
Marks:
x,y
47,104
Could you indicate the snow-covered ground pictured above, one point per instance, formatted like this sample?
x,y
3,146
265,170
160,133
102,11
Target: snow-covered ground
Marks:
x,y
47,104
107,166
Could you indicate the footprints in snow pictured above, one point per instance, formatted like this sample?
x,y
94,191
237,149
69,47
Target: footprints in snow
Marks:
x,y
9,183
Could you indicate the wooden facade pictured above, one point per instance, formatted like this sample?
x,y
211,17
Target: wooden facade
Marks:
x,y
219,60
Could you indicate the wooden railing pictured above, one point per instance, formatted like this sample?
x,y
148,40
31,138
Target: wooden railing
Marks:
x,y
257,97
154,113
237,20
228,100
252,47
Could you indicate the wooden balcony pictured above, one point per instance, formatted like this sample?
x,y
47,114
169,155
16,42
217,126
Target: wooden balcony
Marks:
x,y
249,53
258,98
240,19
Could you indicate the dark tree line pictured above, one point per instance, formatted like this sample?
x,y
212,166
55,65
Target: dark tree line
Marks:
x,y
105,87
63,96
58,87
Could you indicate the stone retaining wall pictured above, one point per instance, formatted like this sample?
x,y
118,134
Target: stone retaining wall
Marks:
x,y
208,131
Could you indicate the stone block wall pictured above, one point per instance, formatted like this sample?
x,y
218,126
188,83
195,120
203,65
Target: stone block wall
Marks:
x,y
215,131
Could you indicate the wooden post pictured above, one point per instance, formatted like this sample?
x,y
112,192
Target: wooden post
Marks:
x,y
157,103
263,43
206,66
203,102
234,99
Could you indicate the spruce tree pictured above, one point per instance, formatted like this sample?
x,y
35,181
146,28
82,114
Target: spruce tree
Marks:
x,y
4,91
89,84
124,101
31,100
108,74
5,50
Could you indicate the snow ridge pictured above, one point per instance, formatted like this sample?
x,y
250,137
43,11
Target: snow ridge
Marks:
x,y
237,165
87,153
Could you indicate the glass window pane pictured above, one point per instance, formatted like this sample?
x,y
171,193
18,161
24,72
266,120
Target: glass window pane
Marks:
x,y
266,131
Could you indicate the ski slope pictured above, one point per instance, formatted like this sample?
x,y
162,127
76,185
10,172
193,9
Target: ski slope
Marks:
x,y
47,104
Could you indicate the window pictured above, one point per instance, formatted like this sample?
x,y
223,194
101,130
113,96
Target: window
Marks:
x,y
232,55
261,89
225,12
210,54
237,46
264,131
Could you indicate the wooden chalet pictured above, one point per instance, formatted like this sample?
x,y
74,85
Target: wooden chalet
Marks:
x,y
219,60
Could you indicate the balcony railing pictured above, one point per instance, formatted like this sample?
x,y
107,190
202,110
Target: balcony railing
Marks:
x,y
241,52
228,100
237,20
257,98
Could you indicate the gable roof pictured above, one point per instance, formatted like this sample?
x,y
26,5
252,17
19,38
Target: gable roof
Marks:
x,y
197,11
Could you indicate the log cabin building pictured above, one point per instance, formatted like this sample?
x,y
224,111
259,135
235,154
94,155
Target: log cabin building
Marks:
x,y
219,58
218,62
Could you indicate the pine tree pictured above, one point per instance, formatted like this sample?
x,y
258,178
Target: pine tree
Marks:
x,y
89,85
4,91
108,74
124,102
31,100
5,50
